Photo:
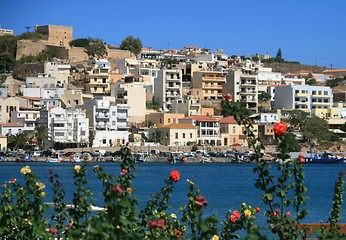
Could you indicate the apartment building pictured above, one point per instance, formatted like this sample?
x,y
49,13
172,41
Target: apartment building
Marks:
x,y
134,96
242,84
303,97
59,71
26,117
110,123
231,132
97,78
208,129
67,126
167,87
208,85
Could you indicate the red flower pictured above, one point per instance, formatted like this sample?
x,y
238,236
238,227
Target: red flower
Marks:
x,y
175,176
160,223
280,128
12,180
178,233
288,214
117,189
53,231
200,201
258,209
236,213
233,218
124,171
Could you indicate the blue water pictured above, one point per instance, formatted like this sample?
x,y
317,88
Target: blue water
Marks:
x,y
225,186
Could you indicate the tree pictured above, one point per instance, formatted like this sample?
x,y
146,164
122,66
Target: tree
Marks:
x,y
292,143
236,109
156,136
334,82
297,119
279,54
316,131
41,134
96,48
18,140
263,97
80,42
132,44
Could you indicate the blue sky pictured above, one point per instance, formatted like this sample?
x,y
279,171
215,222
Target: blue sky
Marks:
x,y
311,32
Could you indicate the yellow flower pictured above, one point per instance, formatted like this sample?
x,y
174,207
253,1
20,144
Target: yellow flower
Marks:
x,y
77,168
43,194
118,227
25,170
215,237
247,213
173,215
40,186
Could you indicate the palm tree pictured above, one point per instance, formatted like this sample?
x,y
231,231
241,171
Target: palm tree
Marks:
x,y
18,140
41,134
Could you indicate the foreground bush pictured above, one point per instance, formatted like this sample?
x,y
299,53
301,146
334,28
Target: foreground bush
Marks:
x,y
22,207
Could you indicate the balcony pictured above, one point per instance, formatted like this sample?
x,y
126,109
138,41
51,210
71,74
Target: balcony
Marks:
x,y
212,86
102,115
122,116
173,86
302,94
320,96
214,79
248,83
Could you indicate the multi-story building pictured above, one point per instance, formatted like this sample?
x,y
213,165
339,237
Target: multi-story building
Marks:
x,y
167,87
7,107
231,132
110,123
188,107
207,85
178,134
162,118
303,97
134,96
243,86
59,71
68,126
208,129
26,117
97,79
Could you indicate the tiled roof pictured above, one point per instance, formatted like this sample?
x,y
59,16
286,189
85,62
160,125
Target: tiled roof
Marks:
x,y
179,126
11,124
201,118
229,120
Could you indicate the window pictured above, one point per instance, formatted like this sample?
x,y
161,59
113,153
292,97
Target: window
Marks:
x,y
313,92
113,123
104,141
233,129
169,120
183,135
176,135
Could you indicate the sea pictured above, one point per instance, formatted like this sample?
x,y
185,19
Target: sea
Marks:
x,y
225,186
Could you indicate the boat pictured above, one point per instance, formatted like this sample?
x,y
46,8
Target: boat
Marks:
x,y
325,158
176,157
55,158
23,157
140,157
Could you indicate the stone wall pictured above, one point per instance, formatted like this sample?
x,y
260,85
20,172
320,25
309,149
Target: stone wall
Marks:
x,y
29,47
77,54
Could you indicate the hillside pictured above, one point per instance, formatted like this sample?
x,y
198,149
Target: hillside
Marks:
x,y
293,67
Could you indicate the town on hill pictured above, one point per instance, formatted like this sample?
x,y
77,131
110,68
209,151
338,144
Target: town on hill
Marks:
x,y
59,92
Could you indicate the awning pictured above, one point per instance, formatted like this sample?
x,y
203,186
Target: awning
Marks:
x,y
336,131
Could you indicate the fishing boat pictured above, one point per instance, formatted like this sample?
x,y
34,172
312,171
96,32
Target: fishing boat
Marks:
x,y
325,158
23,157
55,158
176,157
140,157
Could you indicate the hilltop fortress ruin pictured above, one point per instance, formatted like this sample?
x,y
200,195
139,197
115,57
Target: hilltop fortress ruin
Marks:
x,y
59,37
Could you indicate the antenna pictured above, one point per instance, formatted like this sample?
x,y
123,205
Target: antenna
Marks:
x,y
27,29
331,66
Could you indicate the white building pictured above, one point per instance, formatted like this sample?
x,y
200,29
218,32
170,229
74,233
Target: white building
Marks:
x,y
110,123
243,85
59,71
168,86
208,129
11,128
303,97
27,118
68,126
